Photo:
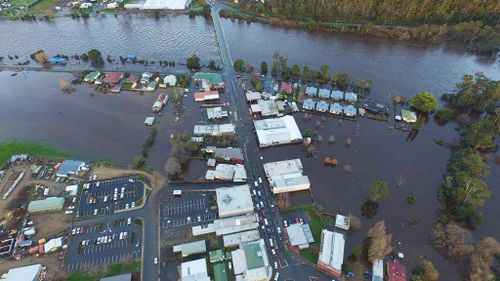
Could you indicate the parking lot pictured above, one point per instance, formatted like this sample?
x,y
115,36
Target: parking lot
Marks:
x,y
102,244
191,208
108,196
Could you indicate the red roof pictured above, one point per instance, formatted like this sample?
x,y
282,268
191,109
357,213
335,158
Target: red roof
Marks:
x,y
286,87
210,95
396,271
113,77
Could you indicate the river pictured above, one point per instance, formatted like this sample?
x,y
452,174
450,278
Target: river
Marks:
x,y
110,126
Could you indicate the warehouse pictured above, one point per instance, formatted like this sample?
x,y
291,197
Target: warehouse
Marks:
x,y
46,205
24,273
214,130
277,131
251,261
234,200
195,270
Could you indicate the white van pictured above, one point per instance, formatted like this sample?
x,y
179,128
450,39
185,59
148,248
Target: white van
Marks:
x,y
271,242
177,193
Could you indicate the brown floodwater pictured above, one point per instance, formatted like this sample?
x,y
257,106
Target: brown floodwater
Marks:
x,y
109,126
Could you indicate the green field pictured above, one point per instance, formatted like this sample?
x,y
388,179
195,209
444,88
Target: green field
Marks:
x,y
114,269
9,148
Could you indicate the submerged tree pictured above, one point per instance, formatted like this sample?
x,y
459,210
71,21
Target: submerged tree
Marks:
x,y
380,242
424,102
379,190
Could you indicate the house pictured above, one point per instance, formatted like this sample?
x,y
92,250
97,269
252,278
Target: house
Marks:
x,y
337,95
408,116
58,60
265,108
351,97
149,121
92,76
215,113
112,77
206,96
322,106
309,104
324,93
287,87
396,271
146,77
253,97
151,86
170,80
349,111
214,80
132,78
375,107
311,91
335,108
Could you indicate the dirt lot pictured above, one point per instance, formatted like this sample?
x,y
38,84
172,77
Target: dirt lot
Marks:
x,y
155,179
54,269
49,224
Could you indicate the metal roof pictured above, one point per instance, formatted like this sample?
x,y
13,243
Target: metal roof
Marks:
x,y
197,247
121,277
220,272
49,204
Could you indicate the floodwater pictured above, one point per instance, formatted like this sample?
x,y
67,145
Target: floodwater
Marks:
x,y
110,126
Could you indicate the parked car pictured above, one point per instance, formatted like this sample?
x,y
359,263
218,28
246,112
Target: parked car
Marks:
x,y
155,260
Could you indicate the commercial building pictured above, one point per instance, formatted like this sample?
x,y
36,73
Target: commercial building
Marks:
x,y
234,200
197,247
214,113
331,253
220,272
265,108
300,235
24,273
235,239
203,229
121,277
251,261
277,131
227,172
237,224
195,270
214,80
214,130
46,205
70,167
206,96
286,176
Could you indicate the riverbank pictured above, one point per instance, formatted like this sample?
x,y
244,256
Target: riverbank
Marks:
x,y
13,147
478,38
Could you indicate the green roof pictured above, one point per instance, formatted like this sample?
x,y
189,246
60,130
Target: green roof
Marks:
x,y
192,248
49,204
253,255
212,78
92,76
220,272
408,115
216,256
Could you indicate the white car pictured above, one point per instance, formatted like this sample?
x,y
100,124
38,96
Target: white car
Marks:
x,y
133,205
131,180
155,260
285,223
260,180
275,265
129,221
279,230
256,184
73,231
126,206
273,251
276,276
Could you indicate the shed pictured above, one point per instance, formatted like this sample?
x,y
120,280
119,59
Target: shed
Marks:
x,y
92,76
197,247
342,222
408,116
46,205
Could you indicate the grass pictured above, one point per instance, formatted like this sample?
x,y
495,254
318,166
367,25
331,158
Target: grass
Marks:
x,y
9,148
310,255
82,276
120,268
42,6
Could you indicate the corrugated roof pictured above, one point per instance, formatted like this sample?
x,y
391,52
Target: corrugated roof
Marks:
x,y
216,256
49,204
121,277
212,78
220,272
253,255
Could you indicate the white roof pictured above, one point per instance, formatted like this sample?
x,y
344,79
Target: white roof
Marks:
x,y
275,131
53,244
234,200
378,270
239,261
164,4
241,237
214,130
72,189
332,249
268,107
236,224
195,270
296,234
216,112
253,96
236,173
24,273
285,167
170,79
342,222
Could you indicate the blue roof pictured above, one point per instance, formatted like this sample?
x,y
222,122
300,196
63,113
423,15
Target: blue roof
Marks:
x,y
56,60
131,58
322,106
350,110
69,166
309,104
350,96
335,108
311,91
324,93
337,95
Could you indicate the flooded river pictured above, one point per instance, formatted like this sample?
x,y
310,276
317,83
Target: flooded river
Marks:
x,y
99,126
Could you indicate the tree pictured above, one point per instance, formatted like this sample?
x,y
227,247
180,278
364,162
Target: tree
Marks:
x,y
444,114
355,223
172,167
193,62
139,162
379,190
65,86
239,65
95,57
308,133
468,161
452,240
362,85
357,250
325,74
482,134
380,242
211,65
42,57
424,102
296,72
263,68
175,95
429,271
482,258
469,190
206,10
259,86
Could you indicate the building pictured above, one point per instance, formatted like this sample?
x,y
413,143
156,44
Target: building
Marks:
x,y
331,253
229,154
286,176
220,272
70,167
337,95
50,204
112,77
349,111
336,108
309,104
121,277
193,248
216,256
235,239
265,108
376,107
227,172
234,200
214,130
396,271
214,80
170,80
277,131
287,87
72,190
311,91
251,262
300,235
237,224
203,229
206,96
378,270
24,273
253,97
149,121
92,76
351,97
408,116
214,113
342,222
322,106
324,93
195,270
